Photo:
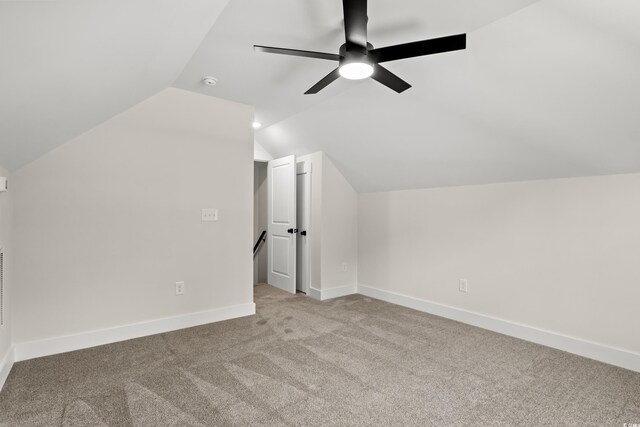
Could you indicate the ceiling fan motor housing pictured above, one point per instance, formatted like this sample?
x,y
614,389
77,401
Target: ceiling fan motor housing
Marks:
x,y
355,53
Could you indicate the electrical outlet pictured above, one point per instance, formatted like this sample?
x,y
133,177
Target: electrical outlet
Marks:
x,y
463,285
180,288
345,266
209,215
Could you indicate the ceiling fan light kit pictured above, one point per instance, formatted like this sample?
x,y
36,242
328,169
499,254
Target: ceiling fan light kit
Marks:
x,y
359,60
355,63
356,70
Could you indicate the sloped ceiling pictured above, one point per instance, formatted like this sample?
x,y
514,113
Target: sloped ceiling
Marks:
x,y
67,66
546,89
275,84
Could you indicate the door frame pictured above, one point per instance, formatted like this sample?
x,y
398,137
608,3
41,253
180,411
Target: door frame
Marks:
x,y
304,167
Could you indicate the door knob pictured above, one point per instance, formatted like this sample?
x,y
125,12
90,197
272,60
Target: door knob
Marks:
x,y
292,230
303,233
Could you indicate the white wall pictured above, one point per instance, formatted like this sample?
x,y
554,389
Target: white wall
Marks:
x,y
558,255
339,229
107,223
6,229
260,220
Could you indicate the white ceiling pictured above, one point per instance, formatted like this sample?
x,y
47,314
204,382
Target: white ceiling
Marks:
x,y
545,89
275,84
67,66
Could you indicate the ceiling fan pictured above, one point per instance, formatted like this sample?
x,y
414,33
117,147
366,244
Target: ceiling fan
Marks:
x,y
358,59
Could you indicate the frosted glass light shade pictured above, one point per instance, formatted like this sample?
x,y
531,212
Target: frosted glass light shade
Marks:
x,y
356,70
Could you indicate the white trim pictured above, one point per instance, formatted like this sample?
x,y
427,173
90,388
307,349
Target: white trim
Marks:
x,y
49,346
325,294
315,293
339,292
303,167
591,350
5,366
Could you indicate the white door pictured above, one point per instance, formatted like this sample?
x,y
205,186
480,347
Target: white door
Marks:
x,y
281,223
304,221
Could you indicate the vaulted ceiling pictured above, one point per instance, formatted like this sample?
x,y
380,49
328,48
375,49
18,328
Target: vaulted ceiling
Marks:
x,y
550,91
69,65
545,89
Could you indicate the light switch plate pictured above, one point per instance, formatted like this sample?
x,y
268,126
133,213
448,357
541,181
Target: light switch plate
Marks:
x,y
209,215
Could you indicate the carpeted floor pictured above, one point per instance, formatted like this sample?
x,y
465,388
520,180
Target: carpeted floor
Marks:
x,y
350,361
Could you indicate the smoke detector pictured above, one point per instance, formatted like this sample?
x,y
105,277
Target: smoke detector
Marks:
x,y
210,81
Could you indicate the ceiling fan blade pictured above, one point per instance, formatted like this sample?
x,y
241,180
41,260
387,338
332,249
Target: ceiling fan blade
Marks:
x,y
389,79
355,22
296,52
420,48
326,81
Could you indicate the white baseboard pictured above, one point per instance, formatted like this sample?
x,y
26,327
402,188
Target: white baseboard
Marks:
x,y
325,294
591,350
315,293
63,344
5,366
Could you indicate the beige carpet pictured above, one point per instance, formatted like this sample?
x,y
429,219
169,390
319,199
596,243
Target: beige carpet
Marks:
x,y
350,361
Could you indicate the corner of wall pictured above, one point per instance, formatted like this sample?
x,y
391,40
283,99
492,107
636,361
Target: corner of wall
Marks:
x,y
339,229
6,245
6,363
260,154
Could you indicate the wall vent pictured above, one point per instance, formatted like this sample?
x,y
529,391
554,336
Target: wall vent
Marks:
x,y
1,287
